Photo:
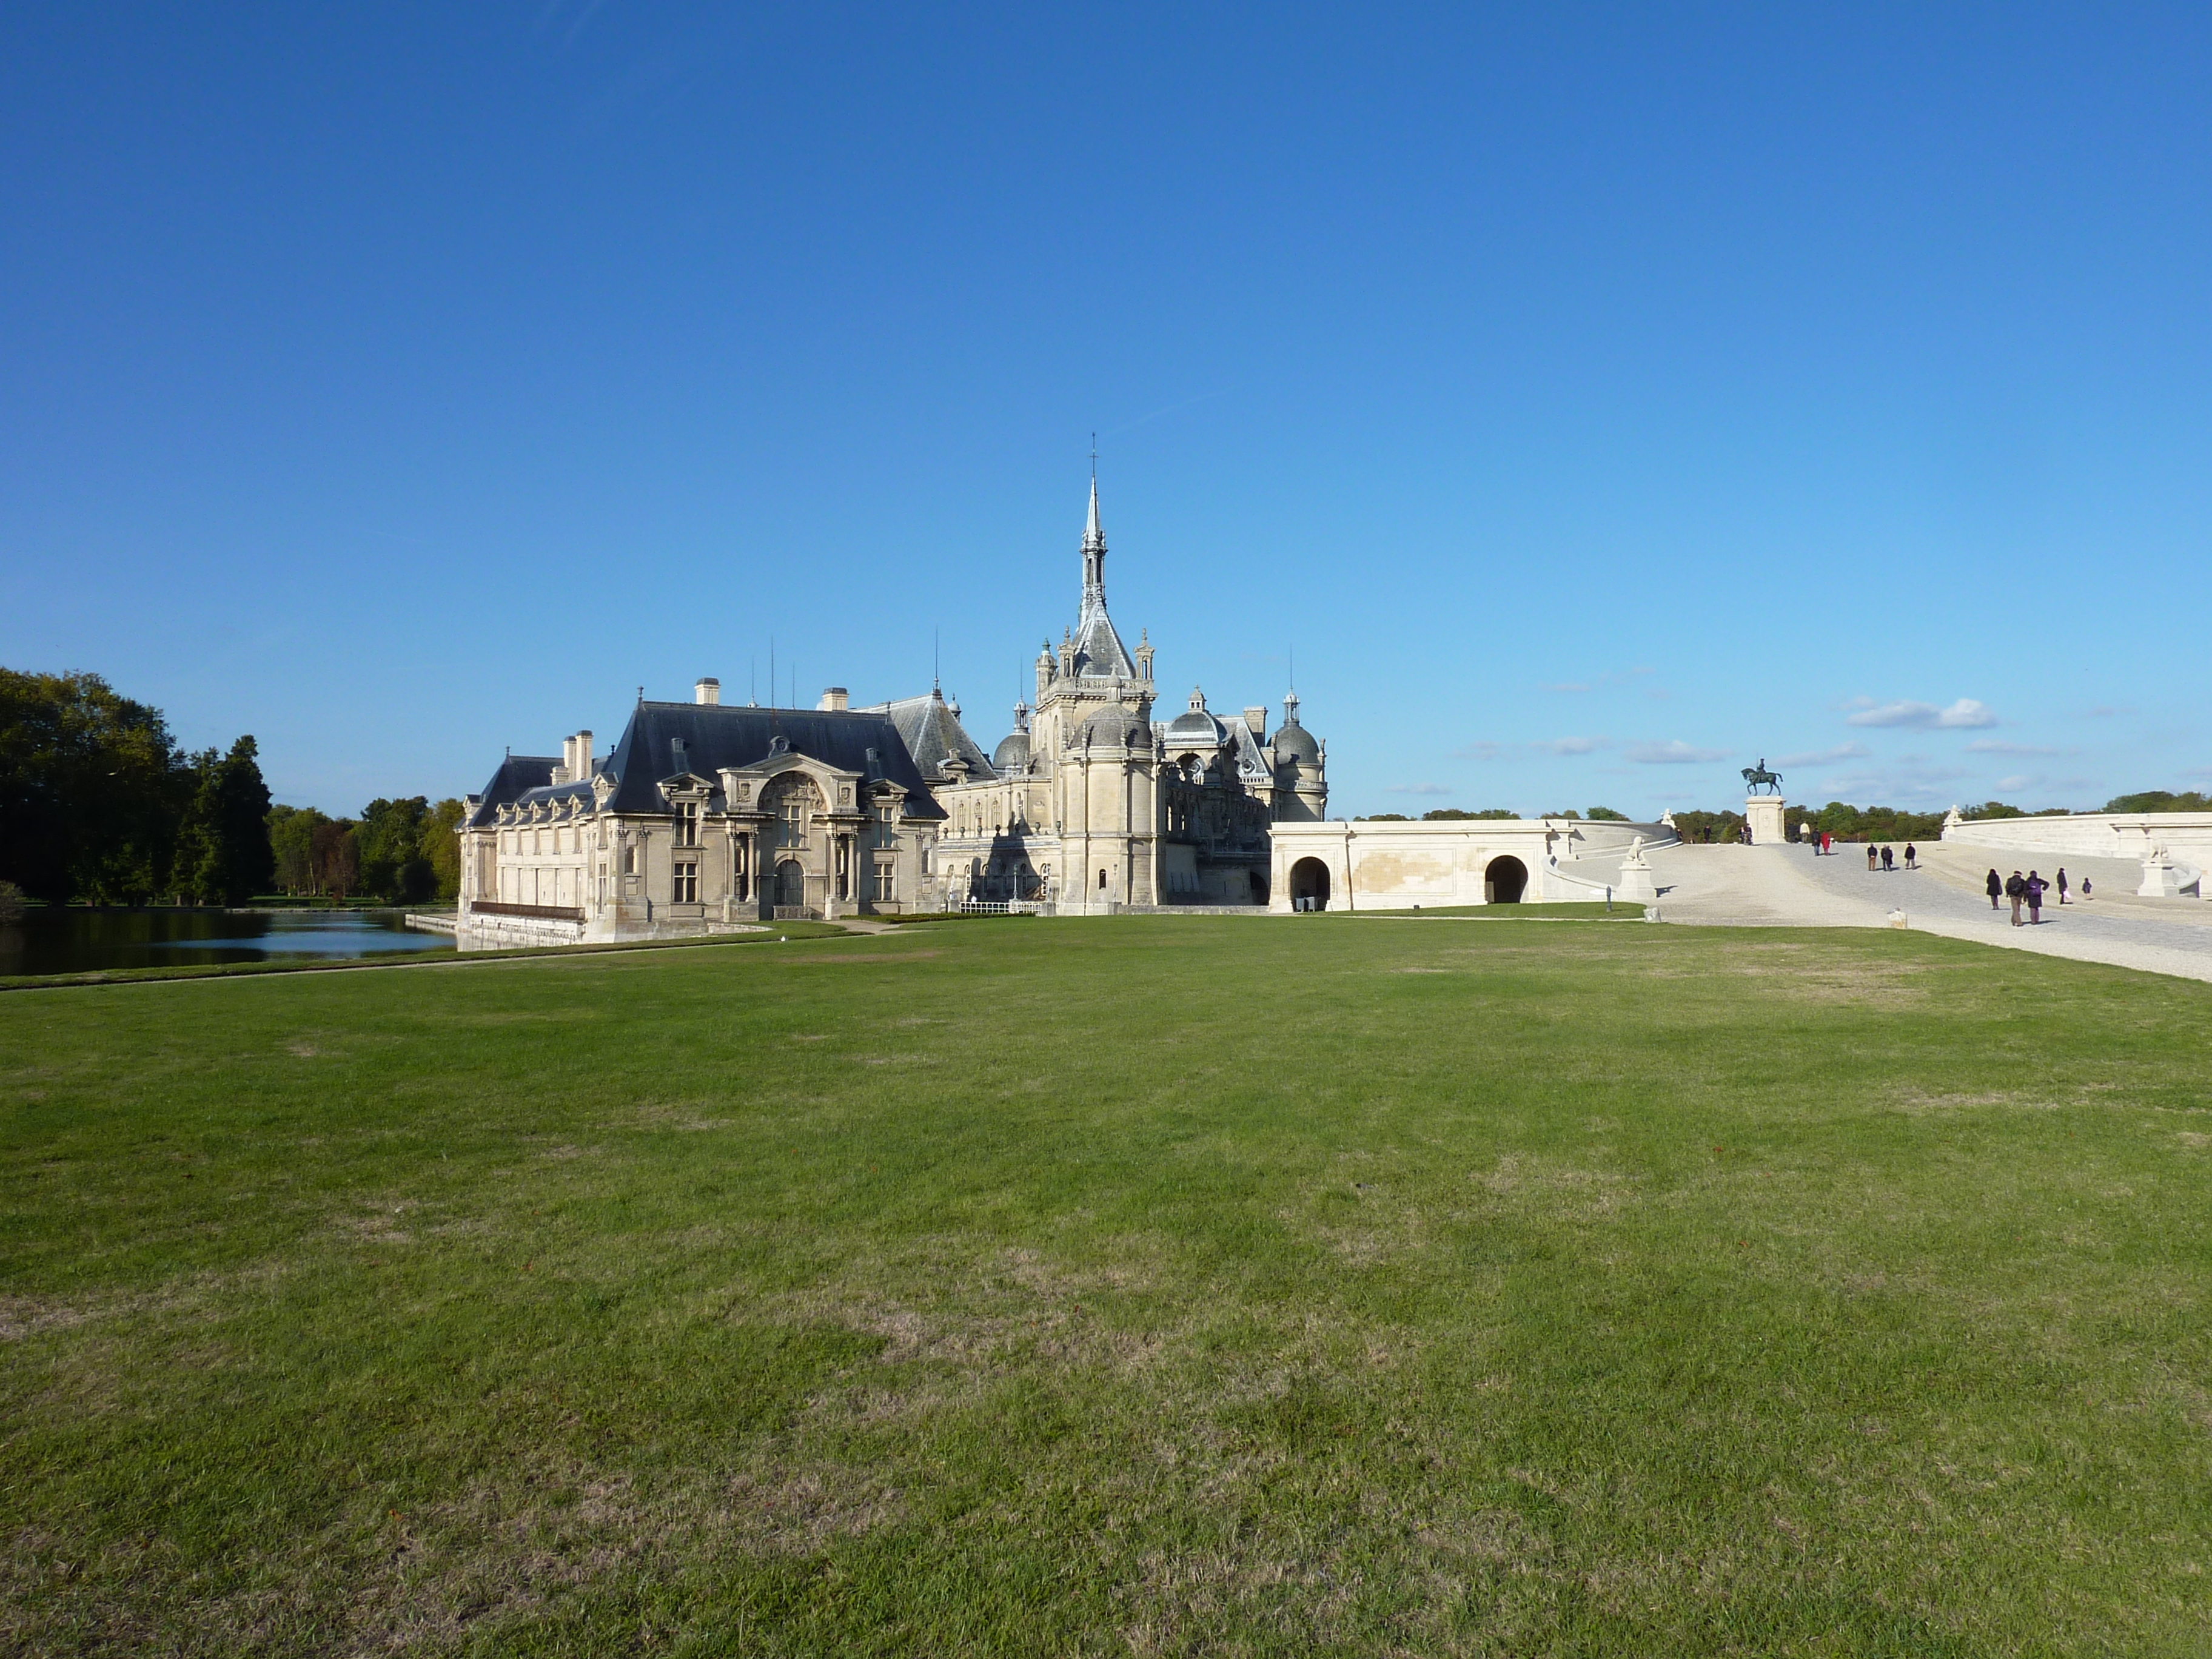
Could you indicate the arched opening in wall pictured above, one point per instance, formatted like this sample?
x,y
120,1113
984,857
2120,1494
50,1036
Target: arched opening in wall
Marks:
x,y
1309,886
790,882
1504,880
1259,886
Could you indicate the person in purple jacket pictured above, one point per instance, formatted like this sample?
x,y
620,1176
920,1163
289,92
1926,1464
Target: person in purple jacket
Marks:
x,y
2035,886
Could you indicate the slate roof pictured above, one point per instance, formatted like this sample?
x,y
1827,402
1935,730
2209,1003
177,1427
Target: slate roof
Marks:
x,y
517,775
932,734
666,739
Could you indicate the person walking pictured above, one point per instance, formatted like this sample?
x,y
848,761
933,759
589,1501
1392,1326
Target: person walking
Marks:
x,y
2085,890
2062,883
2035,885
1911,853
1871,857
2015,890
1805,833
1889,861
1996,885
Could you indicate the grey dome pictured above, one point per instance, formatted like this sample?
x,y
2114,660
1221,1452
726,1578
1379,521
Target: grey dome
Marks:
x,y
1195,728
1198,730
1013,752
1111,727
1294,742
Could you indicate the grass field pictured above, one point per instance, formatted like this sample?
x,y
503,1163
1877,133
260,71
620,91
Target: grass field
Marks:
x,y
1320,1284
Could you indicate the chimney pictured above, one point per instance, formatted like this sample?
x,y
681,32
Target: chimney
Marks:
x,y
1256,720
581,770
834,700
707,692
567,768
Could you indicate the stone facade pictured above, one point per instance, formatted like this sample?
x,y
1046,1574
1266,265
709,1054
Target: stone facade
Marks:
x,y
1092,805
708,815
704,817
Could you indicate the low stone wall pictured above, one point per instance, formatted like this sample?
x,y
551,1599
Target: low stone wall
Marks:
x,y
1395,867
2186,837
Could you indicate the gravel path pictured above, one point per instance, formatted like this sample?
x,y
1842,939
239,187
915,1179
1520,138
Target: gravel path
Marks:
x,y
1787,886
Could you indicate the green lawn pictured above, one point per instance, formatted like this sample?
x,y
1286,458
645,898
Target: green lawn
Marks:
x,y
1168,1285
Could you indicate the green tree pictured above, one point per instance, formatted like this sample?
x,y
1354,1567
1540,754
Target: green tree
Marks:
x,y
91,786
292,840
1383,817
441,847
1460,815
1606,814
392,866
223,855
2159,800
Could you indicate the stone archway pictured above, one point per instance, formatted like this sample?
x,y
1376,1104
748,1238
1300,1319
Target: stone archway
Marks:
x,y
1309,886
1504,880
790,882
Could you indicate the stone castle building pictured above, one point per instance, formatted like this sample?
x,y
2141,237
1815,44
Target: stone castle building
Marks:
x,y
709,815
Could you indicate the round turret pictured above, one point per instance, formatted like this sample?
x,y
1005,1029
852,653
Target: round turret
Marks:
x,y
1294,742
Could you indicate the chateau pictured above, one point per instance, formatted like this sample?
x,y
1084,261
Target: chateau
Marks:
x,y
709,815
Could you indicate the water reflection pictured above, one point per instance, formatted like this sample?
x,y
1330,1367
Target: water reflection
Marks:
x,y
86,941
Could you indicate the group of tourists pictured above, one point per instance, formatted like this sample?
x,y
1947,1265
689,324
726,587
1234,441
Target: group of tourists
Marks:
x,y
1878,858
2028,890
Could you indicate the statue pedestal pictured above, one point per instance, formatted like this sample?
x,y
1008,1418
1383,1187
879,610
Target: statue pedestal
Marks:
x,y
1637,884
2159,878
1765,814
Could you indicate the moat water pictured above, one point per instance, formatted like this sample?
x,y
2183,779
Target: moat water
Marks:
x,y
71,941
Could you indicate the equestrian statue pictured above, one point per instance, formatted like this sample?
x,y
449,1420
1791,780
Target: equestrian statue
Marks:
x,y
1756,776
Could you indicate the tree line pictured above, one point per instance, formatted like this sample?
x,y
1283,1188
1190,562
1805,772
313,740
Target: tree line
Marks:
x,y
99,805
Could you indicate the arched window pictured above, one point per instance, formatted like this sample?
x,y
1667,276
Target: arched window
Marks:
x,y
1102,881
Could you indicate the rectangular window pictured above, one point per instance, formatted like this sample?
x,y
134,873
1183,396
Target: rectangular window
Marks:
x,y
886,881
687,883
687,824
629,860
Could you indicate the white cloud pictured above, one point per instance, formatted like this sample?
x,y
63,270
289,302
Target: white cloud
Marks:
x,y
1907,780
1484,750
1674,753
2018,780
1572,745
1920,716
1992,746
1842,751
1418,789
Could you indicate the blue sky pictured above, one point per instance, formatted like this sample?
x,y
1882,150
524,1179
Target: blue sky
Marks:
x,y
1594,398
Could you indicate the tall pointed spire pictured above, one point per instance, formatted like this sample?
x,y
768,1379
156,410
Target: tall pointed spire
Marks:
x,y
1094,546
1098,651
